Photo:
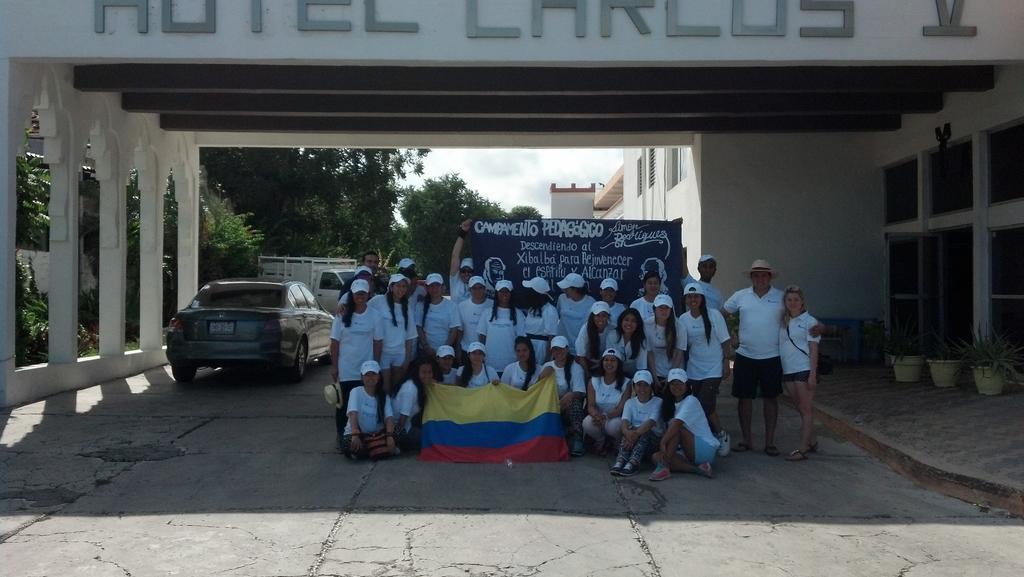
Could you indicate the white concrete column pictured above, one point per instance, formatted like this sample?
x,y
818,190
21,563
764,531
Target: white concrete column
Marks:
x,y
113,241
151,242
9,134
59,150
186,189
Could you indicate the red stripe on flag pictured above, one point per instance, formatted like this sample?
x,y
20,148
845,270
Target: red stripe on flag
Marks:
x,y
538,450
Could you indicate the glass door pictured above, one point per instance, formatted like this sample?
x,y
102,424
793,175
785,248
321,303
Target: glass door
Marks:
x,y
914,284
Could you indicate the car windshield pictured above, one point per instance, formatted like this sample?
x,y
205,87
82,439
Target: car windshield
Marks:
x,y
245,298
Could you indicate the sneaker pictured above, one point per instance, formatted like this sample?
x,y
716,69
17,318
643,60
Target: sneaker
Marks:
x,y
630,469
724,443
577,448
660,473
617,468
705,469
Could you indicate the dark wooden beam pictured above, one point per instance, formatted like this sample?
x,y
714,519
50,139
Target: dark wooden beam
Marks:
x,y
533,105
556,80
336,124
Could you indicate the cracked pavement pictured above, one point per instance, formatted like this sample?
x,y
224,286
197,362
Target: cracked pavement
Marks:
x,y
237,475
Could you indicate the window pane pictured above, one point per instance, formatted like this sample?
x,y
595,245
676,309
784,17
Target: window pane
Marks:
x,y
1008,262
901,192
1007,156
903,268
1008,318
952,179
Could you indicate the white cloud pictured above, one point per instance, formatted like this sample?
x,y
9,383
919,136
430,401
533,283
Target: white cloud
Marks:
x,y
514,177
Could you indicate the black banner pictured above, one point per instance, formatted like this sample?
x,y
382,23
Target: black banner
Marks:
x,y
624,250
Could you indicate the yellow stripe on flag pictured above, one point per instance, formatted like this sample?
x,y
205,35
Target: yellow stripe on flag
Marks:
x,y
491,403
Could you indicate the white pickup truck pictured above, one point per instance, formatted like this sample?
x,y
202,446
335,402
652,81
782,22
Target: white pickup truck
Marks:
x,y
325,276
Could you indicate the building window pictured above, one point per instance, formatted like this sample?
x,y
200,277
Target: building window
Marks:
x,y
1008,283
1006,150
901,192
652,169
679,172
640,176
952,179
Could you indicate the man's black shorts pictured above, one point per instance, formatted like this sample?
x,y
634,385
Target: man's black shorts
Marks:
x,y
756,377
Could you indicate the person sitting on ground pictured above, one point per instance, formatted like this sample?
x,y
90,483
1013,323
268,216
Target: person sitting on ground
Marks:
x,y
446,363
687,445
460,271
609,292
477,373
409,401
572,390
630,339
641,427
606,396
370,415
708,361
799,353
592,340
573,308
524,372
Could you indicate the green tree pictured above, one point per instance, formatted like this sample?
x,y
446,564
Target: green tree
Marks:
x,y
228,245
432,213
524,212
33,191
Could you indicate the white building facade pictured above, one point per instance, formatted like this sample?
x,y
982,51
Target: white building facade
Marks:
x,y
792,114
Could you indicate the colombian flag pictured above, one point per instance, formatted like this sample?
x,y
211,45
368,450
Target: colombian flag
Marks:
x,y
493,423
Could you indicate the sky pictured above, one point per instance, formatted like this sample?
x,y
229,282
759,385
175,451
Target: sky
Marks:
x,y
513,177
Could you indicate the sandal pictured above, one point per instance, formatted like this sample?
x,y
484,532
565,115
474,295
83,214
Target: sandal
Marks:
x,y
741,447
797,455
813,448
771,450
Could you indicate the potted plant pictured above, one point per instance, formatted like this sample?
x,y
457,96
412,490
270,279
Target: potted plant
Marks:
x,y
904,345
944,364
994,360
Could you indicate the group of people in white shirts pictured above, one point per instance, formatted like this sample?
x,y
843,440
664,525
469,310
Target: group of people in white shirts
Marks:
x,y
641,379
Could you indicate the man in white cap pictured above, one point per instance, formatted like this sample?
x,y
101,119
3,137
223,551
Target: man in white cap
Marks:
x,y
573,307
609,294
707,266
470,311
461,269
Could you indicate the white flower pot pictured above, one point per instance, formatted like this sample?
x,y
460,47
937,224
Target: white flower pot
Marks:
x,y
944,373
908,369
988,382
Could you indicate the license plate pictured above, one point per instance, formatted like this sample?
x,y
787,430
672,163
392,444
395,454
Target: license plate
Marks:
x,y
221,328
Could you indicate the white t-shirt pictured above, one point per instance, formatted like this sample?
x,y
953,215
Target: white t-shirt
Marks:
x,y
795,359
469,318
606,396
705,360
476,381
691,413
355,342
573,315
646,308
441,318
630,365
583,341
450,377
501,335
395,337
657,341
545,324
759,321
514,376
616,311
458,289
578,384
366,407
712,296
406,404
637,413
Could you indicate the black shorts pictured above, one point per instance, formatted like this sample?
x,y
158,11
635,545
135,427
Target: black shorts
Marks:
x,y
706,391
800,377
752,378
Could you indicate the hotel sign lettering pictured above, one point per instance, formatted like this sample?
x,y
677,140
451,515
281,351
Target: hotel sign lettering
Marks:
x,y
641,14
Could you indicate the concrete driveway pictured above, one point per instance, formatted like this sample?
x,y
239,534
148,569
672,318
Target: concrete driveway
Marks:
x,y
237,474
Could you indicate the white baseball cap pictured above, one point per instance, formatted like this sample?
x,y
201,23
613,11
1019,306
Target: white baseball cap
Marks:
x,y
663,300
572,280
445,351
363,270
706,258
600,307
538,284
360,286
643,376
610,283
559,342
476,346
466,263
397,278
504,285
434,278
693,289
369,367
406,263
476,280
612,352
676,375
